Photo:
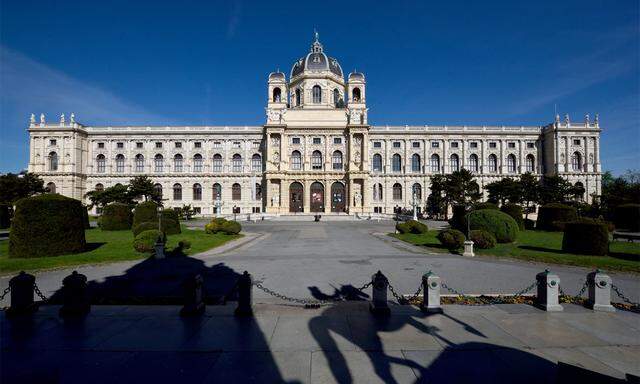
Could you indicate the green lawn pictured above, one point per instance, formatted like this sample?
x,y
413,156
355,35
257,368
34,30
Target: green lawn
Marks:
x,y
108,247
545,247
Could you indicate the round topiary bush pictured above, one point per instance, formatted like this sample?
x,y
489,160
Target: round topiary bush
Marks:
x,y
485,205
46,225
417,227
515,211
231,227
402,227
587,237
627,216
116,217
482,239
451,238
170,222
146,240
215,225
145,212
167,226
499,224
551,216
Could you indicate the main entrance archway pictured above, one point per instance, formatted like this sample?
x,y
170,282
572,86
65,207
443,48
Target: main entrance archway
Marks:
x,y
337,197
317,197
296,195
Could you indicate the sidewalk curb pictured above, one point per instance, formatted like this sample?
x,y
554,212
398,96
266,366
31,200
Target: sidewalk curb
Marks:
x,y
232,245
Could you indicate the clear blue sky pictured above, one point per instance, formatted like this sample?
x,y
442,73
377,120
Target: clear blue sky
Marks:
x,y
197,62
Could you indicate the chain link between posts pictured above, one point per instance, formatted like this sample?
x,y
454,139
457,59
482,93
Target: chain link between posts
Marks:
x,y
39,293
4,293
623,297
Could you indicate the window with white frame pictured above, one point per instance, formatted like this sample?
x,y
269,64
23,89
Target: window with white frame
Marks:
x,y
158,163
473,163
256,163
377,163
316,160
493,163
296,160
530,165
197,162
139,163
236,162
101,163
511,163
416,164
435,163
120,163
217,162
454,163
396,163
336,161
177,163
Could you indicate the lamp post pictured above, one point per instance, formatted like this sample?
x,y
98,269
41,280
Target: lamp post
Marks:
x,y
415,205
159,245
218,205
468,244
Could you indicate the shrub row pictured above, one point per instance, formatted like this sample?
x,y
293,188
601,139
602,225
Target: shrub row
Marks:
x,y
412,226
502,226
482,239
144,242
451,238
116,217
627,216
219,224
586,236
552,216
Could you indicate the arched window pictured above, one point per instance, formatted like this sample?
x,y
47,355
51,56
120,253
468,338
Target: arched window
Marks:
x,y
197,191
157,188
579,191
236,162
377,163
297,97
317,94
530,163
139,163
256,163
416,165
377,192
99,187
236,192
296,160
158,162
197,162
217,192
336,160
576,161
396,163
397,191
511,164
454,163
417,192
120,163
473,163
51,187
177,192
101,163
258,191
336,98
435,163
276,94
53,161
356,94
177,163
493,163
217,163
316,160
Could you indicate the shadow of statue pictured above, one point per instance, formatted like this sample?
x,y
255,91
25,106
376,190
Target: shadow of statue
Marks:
x,y
344,293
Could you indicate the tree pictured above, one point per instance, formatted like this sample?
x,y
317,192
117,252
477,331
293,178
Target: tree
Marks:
x,y
435,201
15,187
529,186
555,189
460,188
143,186
506,189
116,194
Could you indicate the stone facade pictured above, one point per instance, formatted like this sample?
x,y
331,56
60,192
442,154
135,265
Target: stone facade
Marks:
x,y
315,153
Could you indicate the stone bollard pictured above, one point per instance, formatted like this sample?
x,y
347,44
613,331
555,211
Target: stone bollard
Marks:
x,y
192,296
548,291
22,287
159,248
431,293
75,300
245,284
378,305
468,249
599,291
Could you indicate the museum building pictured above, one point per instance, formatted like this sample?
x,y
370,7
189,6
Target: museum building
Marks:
x,y
316,152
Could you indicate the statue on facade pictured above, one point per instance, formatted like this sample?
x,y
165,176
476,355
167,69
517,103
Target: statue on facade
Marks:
x,y
62,119
586,119
42,118
357,157
566,119
32,120
72,118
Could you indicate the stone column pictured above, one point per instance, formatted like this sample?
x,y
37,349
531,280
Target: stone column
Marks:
x,y
463,161
327,195
521,156
596,155
445,162
567,158
482,160
307,196
501,160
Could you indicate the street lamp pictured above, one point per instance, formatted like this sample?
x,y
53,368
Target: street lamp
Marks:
x,y
415,204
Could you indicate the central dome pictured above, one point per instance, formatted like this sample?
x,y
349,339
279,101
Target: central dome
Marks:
x,y
316,61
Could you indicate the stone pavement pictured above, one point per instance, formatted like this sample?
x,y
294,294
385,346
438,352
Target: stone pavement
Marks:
x,y
342,343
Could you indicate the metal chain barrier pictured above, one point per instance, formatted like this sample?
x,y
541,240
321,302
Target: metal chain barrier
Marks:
x,y
365,286
623,297
583,289
526,290
305,302
39,293
4,293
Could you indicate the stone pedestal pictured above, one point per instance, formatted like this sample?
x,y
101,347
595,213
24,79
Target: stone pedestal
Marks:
x,y
379,305
245,285
75,296
158,250
468,249
548,292
431,293
22,288
599,286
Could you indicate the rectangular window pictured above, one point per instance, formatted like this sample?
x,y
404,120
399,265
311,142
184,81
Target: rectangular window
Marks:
x,y
396,144
52,142
295,140
435,144
511,144
236,144
493,144
454,144
158,144
119,145
576,141
531,145
138,145
317,140
197,210
473,144
337,140
100,145
178,144
256,144
217,144
415,144
377,144
197,144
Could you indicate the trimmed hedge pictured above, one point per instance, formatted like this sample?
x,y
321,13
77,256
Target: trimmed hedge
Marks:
x,y
529,224
485,205
5,216
412,226
145,212
458,219
551,216
116,217
515,211
451,238
145,241
231,227
627,216
587,237
171,222
85,218
482,239
216,225
499,224
46,225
